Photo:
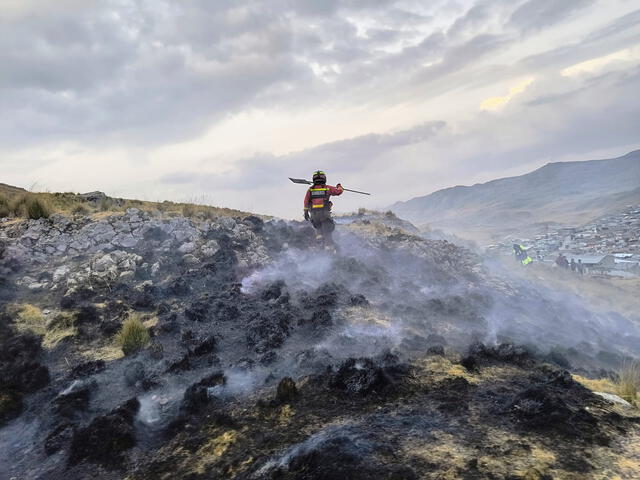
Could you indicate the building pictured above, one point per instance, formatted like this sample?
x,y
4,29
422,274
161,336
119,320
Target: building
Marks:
x,y
594,263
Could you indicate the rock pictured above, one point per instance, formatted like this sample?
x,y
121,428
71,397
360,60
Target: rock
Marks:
x,y
134,373
188,247
107,437
210,248
126,241
614,399
60,273
104,263
93,197
189,259
286,391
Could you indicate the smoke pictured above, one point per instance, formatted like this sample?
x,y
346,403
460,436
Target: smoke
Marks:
x,y
414,302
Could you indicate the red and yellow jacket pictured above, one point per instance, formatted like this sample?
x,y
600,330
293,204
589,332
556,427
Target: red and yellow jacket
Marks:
x,y
318,196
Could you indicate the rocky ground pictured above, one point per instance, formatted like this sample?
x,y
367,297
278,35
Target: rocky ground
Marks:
x,y
396,358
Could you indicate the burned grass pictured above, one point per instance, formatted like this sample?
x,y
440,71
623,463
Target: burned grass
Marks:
x,y
430,419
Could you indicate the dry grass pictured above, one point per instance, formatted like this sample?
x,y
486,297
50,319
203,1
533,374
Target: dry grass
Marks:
x,y
25,205
62,326
29,318
133,336
18,203
628,381
5,211
605,385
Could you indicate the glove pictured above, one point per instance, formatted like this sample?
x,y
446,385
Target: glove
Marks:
x,y
339,185
306,215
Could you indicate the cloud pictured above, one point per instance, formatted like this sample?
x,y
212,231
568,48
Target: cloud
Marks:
x,y
538,14
235,96
593,65
496,103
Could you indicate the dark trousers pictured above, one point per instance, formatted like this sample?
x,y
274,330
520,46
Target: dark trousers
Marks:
x,y
323,223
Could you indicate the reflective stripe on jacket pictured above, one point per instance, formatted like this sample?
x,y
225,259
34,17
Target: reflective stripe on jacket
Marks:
x,y
318,196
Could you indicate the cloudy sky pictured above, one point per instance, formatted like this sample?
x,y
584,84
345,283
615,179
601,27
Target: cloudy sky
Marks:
x,y
221,101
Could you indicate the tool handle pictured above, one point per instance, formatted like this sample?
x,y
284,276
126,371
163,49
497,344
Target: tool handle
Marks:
x,y
355,191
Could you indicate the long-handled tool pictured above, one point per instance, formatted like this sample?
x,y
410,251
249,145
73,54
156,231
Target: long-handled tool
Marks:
x,y
307,182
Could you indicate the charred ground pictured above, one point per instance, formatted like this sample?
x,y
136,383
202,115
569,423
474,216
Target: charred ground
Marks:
x,y
269,359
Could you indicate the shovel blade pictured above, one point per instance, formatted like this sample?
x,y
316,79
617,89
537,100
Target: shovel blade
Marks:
x,y
300,180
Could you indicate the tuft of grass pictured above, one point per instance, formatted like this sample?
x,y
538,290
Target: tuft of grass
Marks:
x,y
106,204
5,211
133,336
188,210
628,381
80,210
28,318
61,327
36,207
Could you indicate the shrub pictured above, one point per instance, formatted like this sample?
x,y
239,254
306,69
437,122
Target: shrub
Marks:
x,y
188,210
106,204
133,336
628,382
5,211
80,210
36,208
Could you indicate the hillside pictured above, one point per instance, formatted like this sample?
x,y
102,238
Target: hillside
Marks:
x,y
566,193
251,354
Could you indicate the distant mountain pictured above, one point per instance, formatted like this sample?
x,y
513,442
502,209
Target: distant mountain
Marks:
x,y
563,192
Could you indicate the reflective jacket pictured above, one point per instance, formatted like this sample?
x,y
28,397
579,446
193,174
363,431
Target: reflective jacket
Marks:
x,y
317,196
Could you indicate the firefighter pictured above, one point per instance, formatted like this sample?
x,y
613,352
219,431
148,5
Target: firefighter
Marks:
x,y
521,254
317,207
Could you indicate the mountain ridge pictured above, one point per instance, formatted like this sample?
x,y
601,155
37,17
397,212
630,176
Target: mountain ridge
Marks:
x,y
562,192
